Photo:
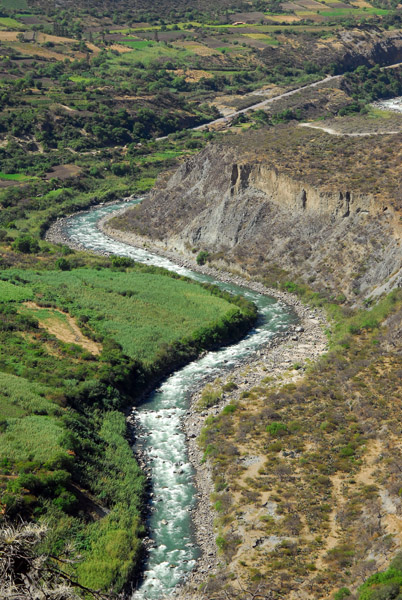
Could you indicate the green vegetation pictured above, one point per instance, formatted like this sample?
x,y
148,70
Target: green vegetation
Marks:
x,y
367,85
211,395
63,443
7,22
127,307
387,584
202,257
10,292
84,98
14,177
120,531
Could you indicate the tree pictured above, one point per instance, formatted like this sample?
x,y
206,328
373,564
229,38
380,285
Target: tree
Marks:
x,y
202,257
26,244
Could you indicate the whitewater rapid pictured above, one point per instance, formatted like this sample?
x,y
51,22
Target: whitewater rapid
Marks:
x,y
174,552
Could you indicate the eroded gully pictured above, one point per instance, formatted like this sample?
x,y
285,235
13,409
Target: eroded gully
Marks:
x,y
173,550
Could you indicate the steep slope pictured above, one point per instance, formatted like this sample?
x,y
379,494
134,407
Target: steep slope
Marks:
x,y
288,199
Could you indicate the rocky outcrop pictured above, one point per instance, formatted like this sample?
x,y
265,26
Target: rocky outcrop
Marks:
x,y
253,216
347,50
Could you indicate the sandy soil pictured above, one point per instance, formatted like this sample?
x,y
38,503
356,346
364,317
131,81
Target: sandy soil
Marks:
x,y
333,131
67,331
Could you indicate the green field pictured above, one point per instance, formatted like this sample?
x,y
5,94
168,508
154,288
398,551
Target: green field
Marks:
x,y
340,12
23,439
261,37
159,156
82,79
18,396
137,44
141,311
14,4
9,23
147,51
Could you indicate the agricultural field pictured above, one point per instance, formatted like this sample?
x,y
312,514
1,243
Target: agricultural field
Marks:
x,y
119,306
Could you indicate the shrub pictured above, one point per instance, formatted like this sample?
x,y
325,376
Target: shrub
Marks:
x,y
221,543
209,397
342,593
229,409
63,264
66,501
122,262
26,244
202,257
277,429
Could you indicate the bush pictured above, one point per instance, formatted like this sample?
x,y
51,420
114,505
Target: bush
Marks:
x,y
26,244
221,543
229,409
66,501
63,264
342,593
122,262
209,397
277,429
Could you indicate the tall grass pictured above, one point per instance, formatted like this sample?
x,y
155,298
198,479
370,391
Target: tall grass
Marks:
x,y
26,395
32,438
10,292
143,312
115,542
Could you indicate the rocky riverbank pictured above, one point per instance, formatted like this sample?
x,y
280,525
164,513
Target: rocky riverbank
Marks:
x,y
284,357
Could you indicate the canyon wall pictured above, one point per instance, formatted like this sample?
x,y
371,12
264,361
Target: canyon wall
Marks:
x,y
251,216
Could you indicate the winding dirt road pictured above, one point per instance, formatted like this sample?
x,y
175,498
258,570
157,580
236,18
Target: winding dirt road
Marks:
x,y
264,103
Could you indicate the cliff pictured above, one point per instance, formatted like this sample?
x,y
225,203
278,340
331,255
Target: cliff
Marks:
x,y
313,210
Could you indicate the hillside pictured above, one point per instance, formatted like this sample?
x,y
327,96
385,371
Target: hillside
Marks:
x,y
288,201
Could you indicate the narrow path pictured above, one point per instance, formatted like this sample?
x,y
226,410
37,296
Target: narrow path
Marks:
x,y
64,328
266,102
342,134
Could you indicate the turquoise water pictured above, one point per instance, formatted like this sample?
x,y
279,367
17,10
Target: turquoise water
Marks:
x,y
161,437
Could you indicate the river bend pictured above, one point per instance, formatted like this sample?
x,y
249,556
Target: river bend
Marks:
x,y
174,552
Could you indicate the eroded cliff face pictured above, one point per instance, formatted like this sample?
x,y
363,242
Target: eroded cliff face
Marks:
x,y
250,215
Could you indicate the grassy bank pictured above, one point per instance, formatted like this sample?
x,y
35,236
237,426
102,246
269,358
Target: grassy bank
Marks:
x,y
77,346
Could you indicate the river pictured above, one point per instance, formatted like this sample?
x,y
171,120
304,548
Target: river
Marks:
x,y
160,435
